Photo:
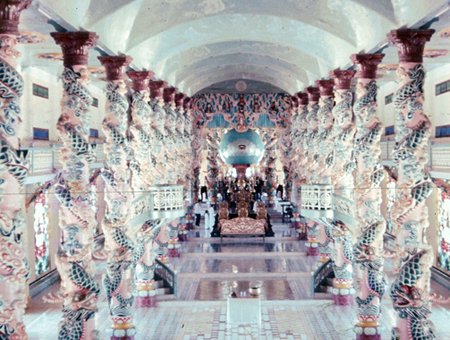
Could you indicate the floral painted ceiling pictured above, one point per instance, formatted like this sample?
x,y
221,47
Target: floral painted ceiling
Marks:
x,y
194,44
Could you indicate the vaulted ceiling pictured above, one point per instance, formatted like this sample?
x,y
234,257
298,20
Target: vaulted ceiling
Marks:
x,y
194,44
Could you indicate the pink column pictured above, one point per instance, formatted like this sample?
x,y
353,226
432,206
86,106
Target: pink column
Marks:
x,y
326,141
158,150
140,127
116,174
13,172
324,146
368,250
310,163
410,289
342,179
77,220
170,138
302,139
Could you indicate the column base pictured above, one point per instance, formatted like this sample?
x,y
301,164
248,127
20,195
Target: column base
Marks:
x,y
343,300
182,237
173,252
312,251
368,337
145,301
302,236
126,337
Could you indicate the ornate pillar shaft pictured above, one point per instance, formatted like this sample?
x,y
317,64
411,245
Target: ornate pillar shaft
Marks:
x,y
340,154
326,140
74,259
324,148
311,163
410,289
309,145
13,171
157,152
368,250
301,128
170,139
116,174
141,113
213,166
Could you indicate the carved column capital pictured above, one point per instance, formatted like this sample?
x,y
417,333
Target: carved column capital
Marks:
x,y
75,46
410,43
294,100
139,79
325,87
342,78
313,93
367,64
187,101
179,97
156,88
10,14
302,98
169,94
114,66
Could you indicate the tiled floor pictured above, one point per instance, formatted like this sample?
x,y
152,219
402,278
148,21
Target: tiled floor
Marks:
x,y
208,271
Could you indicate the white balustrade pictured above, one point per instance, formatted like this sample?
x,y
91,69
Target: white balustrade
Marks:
x,y
45,160
316,200
440,156
159,202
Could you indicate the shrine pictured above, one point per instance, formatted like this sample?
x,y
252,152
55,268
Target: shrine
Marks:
x,y
224,169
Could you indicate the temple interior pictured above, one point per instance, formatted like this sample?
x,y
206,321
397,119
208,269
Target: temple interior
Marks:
x,y
224,169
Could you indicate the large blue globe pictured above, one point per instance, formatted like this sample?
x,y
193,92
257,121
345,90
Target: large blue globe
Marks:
x,y
241,147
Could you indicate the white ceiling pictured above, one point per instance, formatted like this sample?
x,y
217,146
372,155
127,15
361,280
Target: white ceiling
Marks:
x,y
194,44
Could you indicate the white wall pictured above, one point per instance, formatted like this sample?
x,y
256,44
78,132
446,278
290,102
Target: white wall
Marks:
x,y
44,113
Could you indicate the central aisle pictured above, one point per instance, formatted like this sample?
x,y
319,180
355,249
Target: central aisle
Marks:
x,y
206,273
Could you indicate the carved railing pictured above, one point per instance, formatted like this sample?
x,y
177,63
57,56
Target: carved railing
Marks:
x,y
159,202
316,201
438,153
167,275
45,160
320,275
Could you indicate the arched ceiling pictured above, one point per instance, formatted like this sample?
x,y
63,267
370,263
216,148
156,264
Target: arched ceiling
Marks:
x,y
196,43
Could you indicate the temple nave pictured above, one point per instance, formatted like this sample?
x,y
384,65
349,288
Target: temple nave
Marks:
x,y
224,169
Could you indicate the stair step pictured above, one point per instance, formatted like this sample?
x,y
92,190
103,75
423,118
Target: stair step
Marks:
x,y
166,297
323,296
162,291
158,284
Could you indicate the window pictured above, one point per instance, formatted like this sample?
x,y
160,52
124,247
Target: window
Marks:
x,y
442,87
94,102
40,91
388,99
40,134
443,131
93,133
389,130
